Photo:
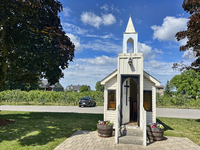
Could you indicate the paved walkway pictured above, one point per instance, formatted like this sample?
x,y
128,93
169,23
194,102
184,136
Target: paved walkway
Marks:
x,y
89,140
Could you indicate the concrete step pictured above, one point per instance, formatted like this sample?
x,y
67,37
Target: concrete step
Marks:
x,y
131,132
131,140
134,132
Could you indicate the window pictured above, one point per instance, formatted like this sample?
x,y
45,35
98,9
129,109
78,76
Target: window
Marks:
x,y
111,99
148,100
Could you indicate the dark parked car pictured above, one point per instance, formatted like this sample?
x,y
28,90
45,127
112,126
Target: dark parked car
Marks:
x,y
87,101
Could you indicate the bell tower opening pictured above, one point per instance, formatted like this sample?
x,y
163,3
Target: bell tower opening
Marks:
x,y
130,45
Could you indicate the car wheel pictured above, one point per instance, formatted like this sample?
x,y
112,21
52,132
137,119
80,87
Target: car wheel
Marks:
x,y
79,105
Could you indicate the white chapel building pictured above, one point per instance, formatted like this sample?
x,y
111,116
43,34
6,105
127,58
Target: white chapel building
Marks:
x,y
129,91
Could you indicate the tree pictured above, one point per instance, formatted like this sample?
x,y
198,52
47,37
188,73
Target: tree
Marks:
x,y
84,88
192,34
99,87
187,82
10,85
168,88
33,44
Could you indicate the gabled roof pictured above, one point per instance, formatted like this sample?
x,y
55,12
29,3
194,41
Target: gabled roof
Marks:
x,y
57,85
151,78
147,75
110,76
75,87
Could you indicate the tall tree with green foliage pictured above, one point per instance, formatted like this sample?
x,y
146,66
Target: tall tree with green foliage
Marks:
x,y
192,33
187,82
84,88
99,87
33,44
168,88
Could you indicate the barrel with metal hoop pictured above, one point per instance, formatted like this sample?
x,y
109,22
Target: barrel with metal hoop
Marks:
x,y
105,130
155,134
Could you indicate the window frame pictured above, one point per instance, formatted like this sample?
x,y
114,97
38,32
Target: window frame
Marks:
x,y
150,101
108,99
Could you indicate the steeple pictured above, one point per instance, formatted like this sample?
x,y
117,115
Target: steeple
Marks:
x,y
130,28
130,36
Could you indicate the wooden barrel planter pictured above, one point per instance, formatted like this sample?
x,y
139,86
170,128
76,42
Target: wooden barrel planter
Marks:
x,y
105,131
155,134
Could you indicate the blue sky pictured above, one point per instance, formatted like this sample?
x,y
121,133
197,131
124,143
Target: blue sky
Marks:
x,y
96,28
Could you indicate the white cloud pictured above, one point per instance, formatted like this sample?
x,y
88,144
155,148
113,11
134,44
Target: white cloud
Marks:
x,y
91,19
107,46
162,71
95,21
73,29
102,60
138,21
170,26
115,9
183,41
66,11
79,67
180,15
111,8
189,55
88,71
108,19
75,40
146,50
104,7
158,51
107,36
101,45
120,22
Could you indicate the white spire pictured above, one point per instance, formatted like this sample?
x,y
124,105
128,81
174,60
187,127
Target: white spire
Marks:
x,y
130,28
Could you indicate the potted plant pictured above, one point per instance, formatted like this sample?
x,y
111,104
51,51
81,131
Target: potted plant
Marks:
x,y
155,131
104,128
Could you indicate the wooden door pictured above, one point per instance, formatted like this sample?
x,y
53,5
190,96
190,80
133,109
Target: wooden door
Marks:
x,y
125,101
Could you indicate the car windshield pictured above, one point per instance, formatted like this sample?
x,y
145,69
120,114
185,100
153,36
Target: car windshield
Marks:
x,y
86,98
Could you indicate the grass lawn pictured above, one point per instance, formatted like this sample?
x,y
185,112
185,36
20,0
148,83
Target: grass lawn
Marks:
x,y
189,128
44,131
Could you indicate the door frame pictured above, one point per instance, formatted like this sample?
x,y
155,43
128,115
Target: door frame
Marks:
x,y
136,78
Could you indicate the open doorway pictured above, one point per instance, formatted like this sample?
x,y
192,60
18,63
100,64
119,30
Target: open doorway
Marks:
x,y
133,102
129,100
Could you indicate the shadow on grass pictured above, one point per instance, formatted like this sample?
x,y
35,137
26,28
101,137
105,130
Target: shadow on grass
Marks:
x,y
36,128
166,127
197,120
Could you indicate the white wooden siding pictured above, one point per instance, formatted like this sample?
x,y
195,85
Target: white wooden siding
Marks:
x,y
154,103
136,68
148,85
110,85
149,117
